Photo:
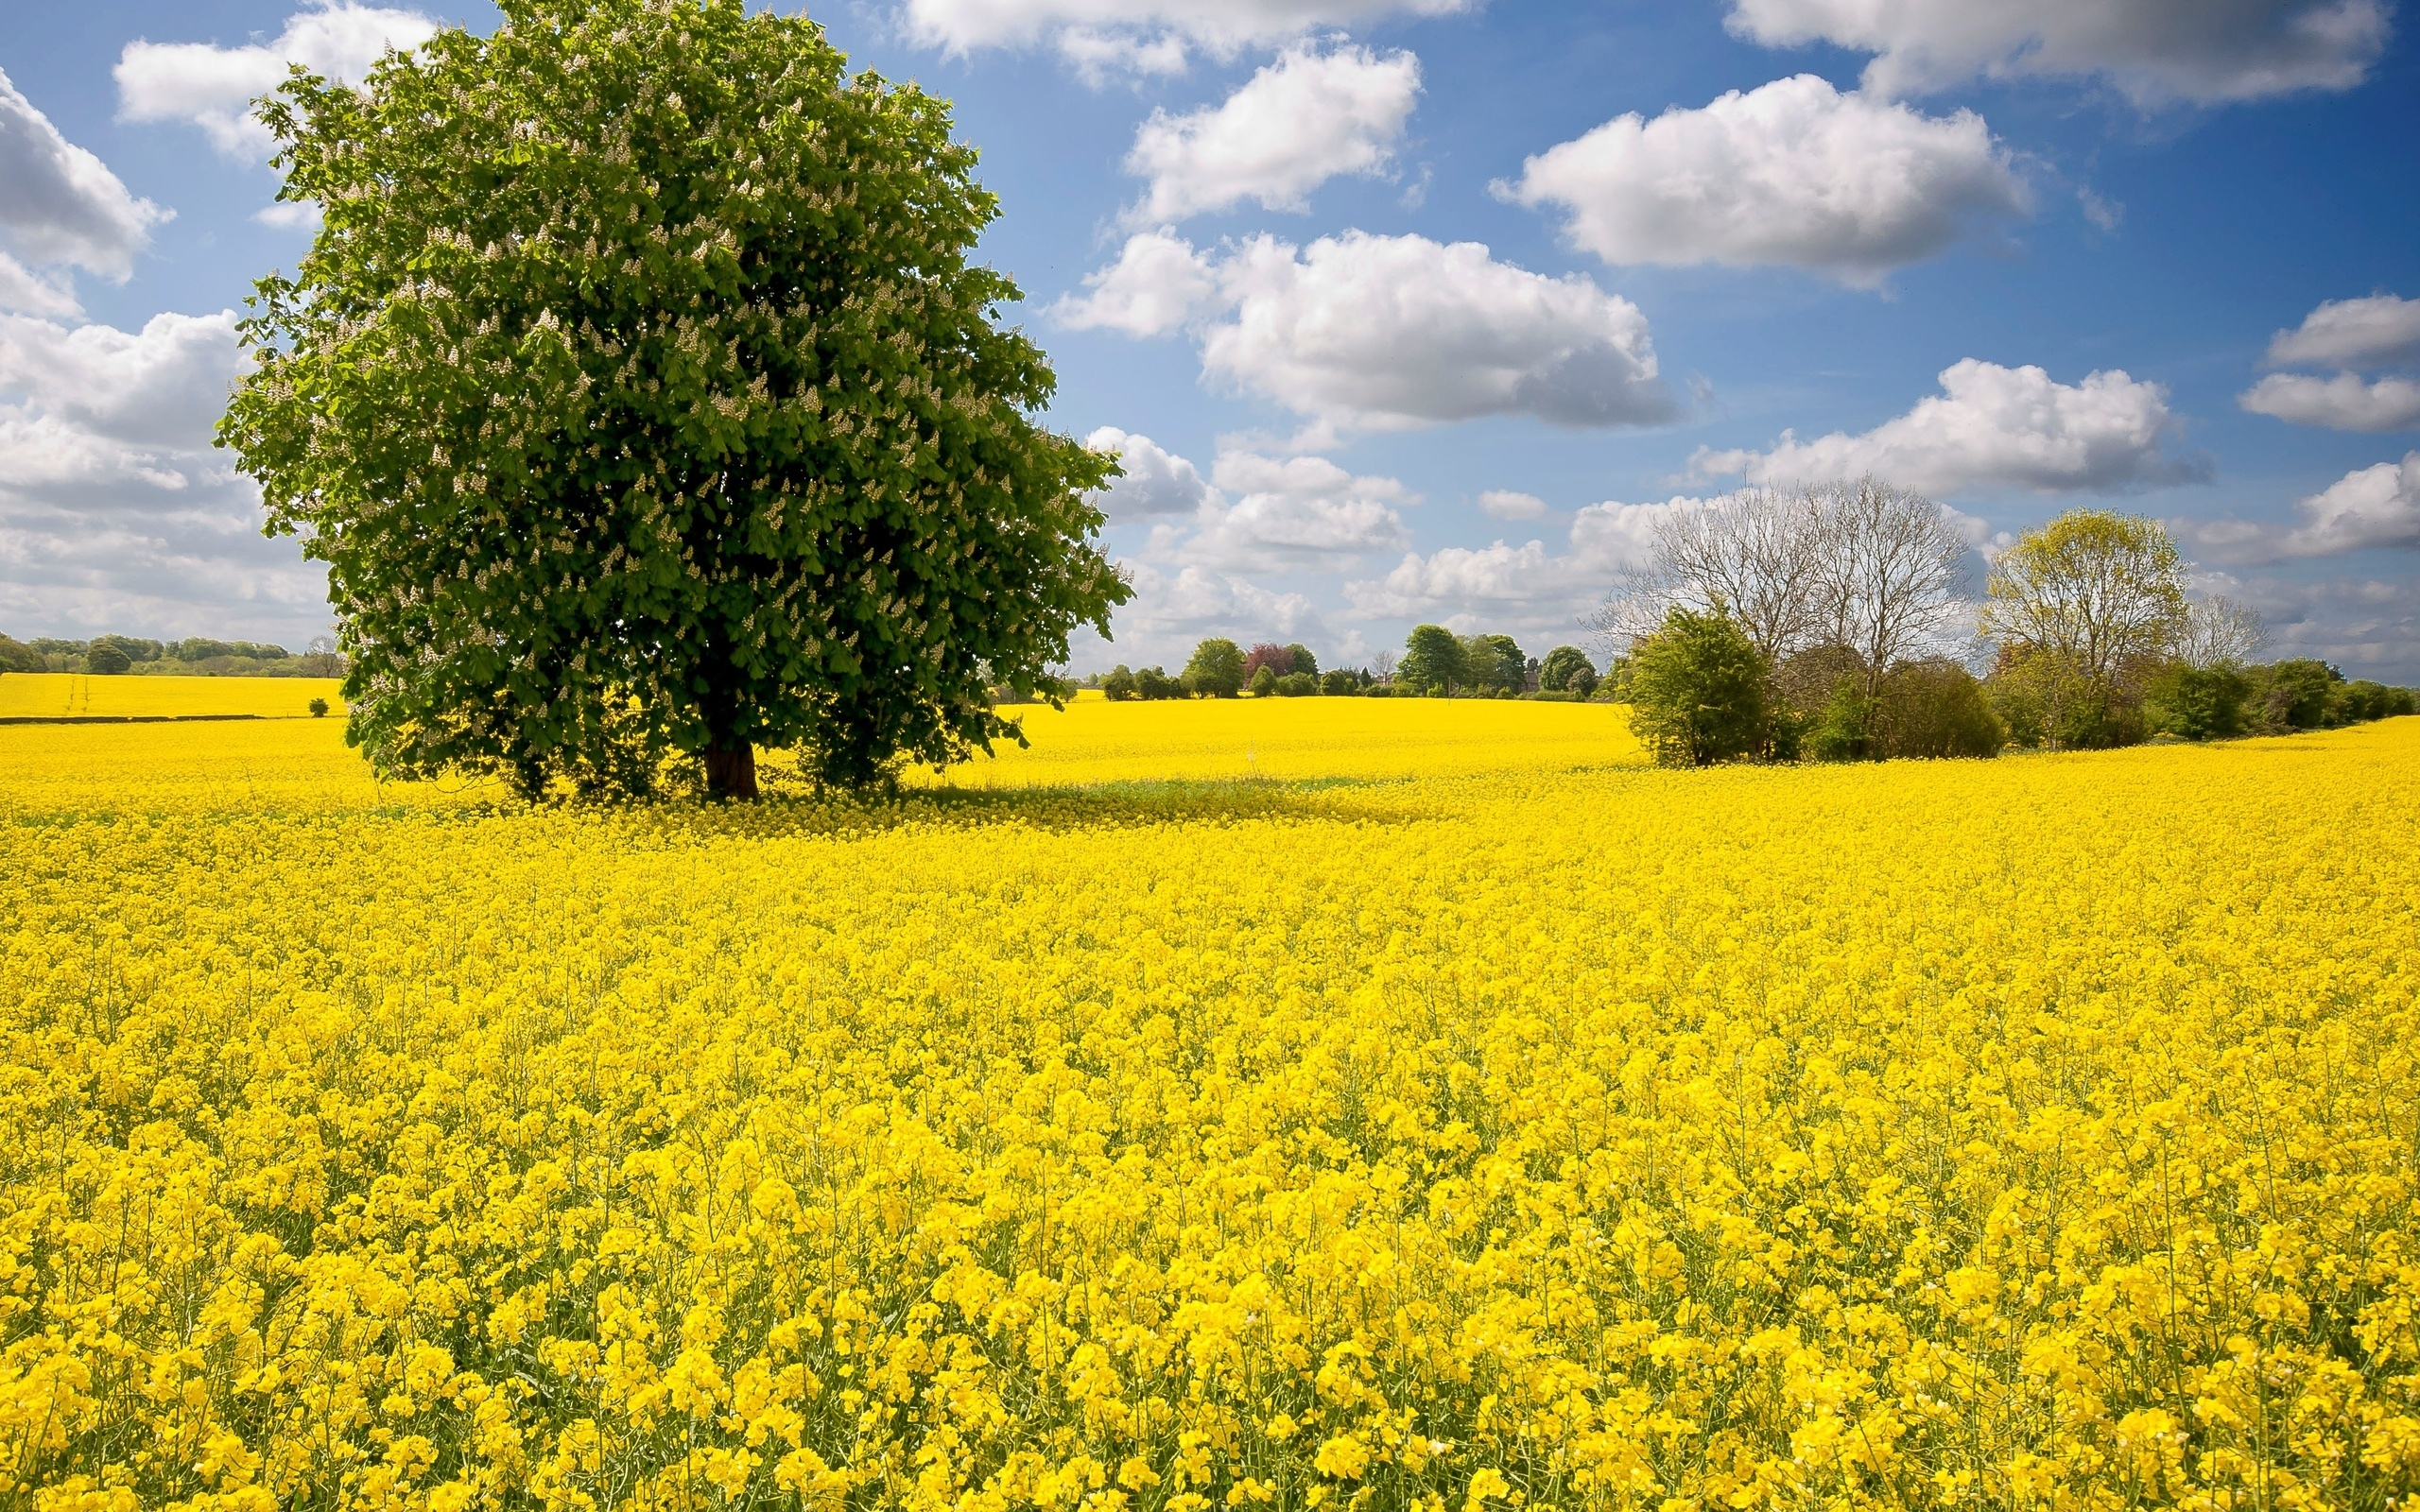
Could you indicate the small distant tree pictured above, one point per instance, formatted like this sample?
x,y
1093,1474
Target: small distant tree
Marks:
x,y
318,708
1264,681
1215,669
1432,657
1153,686
1568,669
1304,663
1696,689
15,655
1119,685
1495,662
2083,610
1339,683
1267,654
2298,693
1297,686
107,661
1383,663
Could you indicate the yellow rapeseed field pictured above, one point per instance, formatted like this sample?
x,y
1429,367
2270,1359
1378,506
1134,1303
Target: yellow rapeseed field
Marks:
x,y
54,695
1456,1115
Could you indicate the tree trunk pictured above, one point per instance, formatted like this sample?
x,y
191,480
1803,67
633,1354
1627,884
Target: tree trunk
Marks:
x,y
731,774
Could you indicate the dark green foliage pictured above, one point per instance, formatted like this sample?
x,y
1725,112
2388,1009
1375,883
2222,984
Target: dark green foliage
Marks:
x,y
1568,669
1152,684
1264,681
1339,683
1432,657
201,649
641,397
134,648
2197,703
1696,689
2298,693
106,661
15,655
2048,698
318,708
1495,663
1297,686
1215,669
1304,663
1933,709
1119,687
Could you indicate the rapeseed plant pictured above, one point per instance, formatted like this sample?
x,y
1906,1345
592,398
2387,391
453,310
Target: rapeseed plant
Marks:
x,y
1547,1134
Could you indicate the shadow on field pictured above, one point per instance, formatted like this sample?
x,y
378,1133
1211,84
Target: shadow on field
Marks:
x,y
1103,805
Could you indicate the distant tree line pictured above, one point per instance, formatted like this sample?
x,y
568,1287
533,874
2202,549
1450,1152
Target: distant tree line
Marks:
x,y
1820,622
196,656
1436,662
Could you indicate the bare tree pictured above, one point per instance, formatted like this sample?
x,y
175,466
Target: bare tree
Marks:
x,y
1385,663
2219,632
1755,553
1889,573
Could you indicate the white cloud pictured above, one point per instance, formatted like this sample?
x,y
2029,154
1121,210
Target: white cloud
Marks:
x,y
116,513
1171,610
2155,51
60,207
1308,117
1506,503
1101,34
1158,283
1795,173
2379,331
1290,513
2369,507
1529,589
2344,403
1386,332
1157,483
1992,427
214,87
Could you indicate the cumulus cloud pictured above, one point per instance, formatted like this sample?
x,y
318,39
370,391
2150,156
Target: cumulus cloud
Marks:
x,y
2379,331
1172,609
1991,427
1531,588
2366,509
1506,503
2155,51
1158,283
1101,35
1386,332
1795,174
1157,483
1308,117
1389,332
2368,624
2344,403
214,87
116,513
61,207
1292,512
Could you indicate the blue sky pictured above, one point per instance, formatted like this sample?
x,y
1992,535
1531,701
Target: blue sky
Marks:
x,y
1409,310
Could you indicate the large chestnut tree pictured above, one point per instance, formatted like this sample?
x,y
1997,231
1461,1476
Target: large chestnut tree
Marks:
x,y
641,397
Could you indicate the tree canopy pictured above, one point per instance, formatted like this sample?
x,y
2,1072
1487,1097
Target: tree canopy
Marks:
x,y
1696,689
1432,657
641,397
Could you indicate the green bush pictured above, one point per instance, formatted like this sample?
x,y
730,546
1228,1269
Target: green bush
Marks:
x,y
1119,687
2197,703
106,661
1297,686
1339,683
1696,689
2297,694
15,655
318,708
1153,685
1934,709
1264,682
